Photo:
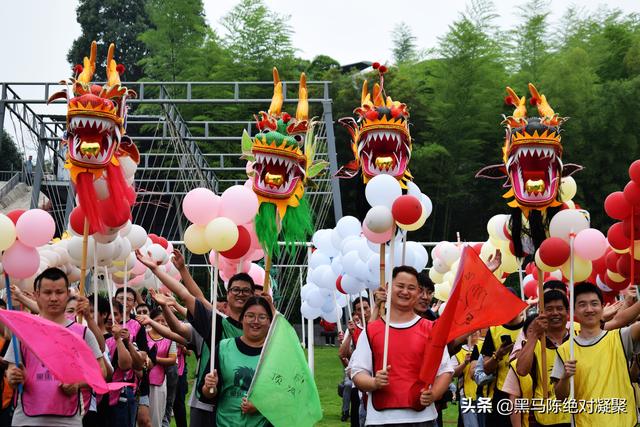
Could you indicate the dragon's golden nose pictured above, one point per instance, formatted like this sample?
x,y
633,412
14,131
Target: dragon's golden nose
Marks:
x,y
535,186
274,179
92,148
384,162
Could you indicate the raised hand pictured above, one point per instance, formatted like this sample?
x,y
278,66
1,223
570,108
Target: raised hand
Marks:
x,y
149,262
178,259
494,261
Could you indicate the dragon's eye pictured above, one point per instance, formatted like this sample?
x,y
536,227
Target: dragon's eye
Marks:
x,y
298,138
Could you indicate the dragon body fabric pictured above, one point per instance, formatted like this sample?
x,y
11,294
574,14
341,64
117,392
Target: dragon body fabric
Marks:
x,y
281,162
97,144
533,168
380,138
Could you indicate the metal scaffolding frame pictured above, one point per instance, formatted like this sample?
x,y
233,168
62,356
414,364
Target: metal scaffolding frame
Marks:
x,y
173,158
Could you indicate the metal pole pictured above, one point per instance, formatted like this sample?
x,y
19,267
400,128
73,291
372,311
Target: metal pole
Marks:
x,y
310,345
2,98
302,317
333,158
39,172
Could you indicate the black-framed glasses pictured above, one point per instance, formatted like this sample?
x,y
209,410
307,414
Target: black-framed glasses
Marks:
x,y
241,291
251,317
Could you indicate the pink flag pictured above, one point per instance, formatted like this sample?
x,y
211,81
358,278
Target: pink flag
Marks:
x,y
64,353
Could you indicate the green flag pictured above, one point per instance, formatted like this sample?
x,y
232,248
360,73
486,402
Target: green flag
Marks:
x,y
283,388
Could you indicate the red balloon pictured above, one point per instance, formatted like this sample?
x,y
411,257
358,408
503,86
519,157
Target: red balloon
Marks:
x,y
632,193
113,217
531,269
163,242
554,251
531,289
616,237
626,227
609,297
339,285
599,266
634,171
617,206
76,221
406,209
242,246
611,261
153,237
615,286
15,214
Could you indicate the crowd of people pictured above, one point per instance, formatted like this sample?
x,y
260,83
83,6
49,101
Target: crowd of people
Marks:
x,y
144,341
498,376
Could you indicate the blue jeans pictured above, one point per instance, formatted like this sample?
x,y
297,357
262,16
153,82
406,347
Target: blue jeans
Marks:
x,y
124,413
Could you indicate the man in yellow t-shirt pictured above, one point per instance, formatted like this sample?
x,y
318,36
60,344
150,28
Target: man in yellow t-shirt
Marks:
x,y
603,392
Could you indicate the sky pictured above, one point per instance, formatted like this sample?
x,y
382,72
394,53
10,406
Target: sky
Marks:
x,y
35,35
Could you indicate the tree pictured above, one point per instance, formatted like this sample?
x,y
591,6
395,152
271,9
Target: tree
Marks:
x,y
322,63
10,158
177,34
111,21
530,48
404,44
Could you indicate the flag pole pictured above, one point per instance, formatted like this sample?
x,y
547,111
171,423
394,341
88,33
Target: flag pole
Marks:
x,y
543,337
214,313
388,304
572,237
363,320
110,295
83,264
632,248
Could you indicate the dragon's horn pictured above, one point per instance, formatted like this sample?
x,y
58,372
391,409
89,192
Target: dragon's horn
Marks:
x,y
513,96
302,112
544,109
378,98
365,93
518,102
89,65
276,101
113,77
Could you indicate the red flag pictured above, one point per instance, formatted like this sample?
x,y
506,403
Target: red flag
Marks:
x,y
64,353
478,300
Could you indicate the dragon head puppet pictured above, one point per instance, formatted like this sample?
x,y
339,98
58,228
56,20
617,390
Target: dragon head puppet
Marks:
x,y
533,168
281,162
96,142
380,138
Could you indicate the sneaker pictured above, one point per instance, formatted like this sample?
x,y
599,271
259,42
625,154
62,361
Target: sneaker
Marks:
x,y
345,417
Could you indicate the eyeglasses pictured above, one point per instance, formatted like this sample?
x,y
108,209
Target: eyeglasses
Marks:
x,y
120,298
251,317
241,291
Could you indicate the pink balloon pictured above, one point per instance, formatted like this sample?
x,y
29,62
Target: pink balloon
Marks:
x,y
255,255
239,204
200,206
20,261
249,184
225,277
251,228
257,274
590,244
139,268
246,266
377,237
35,228
136,280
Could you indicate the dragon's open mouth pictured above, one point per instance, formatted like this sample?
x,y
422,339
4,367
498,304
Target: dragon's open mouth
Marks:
x,y
92,139
276,175
535,173
384,152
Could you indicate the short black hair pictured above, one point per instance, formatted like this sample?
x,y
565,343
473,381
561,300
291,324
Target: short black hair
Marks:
x,y
555,284
425,281
242,277
587,288
556,295
357,301
129,290
254,300
143,304
527,322
405,269
52,273
155,313
118,307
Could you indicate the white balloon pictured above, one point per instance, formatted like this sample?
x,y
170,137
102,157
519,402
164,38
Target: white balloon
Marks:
x,y
440,266
351,243
435,275
336,265
427,205
336,239
317,259
125,229
379,219
420,255
362,271
125,249
128,166
567,221
449,253
304,291
75,248
341,299
332,316
351,285
374,267
105,238
104,253
350,261
62,253
102,188
348,226
309,312
375,247
382,190
158,253
315,298
364,252
324,277
137,236
413,189
322,241
328,304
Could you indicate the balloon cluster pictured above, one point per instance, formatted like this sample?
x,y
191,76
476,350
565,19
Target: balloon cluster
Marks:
x,y
624,235
388,206
346,262
530,281
21,233
224,226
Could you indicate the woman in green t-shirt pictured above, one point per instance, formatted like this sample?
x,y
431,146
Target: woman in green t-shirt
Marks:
x,y
236,361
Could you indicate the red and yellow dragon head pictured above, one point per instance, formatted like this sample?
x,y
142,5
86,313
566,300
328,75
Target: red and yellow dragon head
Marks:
x,y
380,138
95,135
531,155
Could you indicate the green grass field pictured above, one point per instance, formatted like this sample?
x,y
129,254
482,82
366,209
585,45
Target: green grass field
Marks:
x,y
328,373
